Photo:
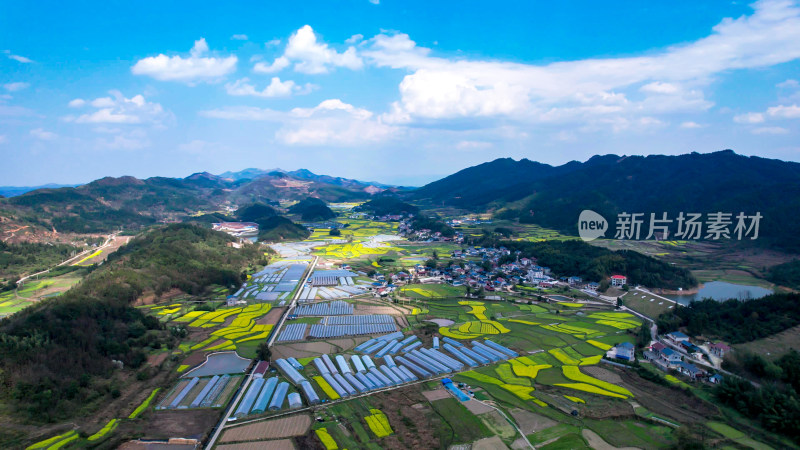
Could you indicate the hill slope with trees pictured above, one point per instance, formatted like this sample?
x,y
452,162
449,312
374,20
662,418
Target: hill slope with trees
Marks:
x,y
58,355
553,197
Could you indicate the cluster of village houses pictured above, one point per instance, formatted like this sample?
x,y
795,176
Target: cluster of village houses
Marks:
x,y
489,274
667,356
671,353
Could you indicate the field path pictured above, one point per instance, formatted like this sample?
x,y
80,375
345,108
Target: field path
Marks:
x,y
597,443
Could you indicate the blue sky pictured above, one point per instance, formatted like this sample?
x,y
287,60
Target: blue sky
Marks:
x,y
392,91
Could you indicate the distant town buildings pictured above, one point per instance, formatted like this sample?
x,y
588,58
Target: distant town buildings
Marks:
x,y
237,229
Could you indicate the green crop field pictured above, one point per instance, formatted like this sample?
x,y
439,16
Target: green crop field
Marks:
x,y
649,305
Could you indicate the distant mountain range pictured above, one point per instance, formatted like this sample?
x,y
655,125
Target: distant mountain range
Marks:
x,y
303,174
11,191
524,190
112,203
554,196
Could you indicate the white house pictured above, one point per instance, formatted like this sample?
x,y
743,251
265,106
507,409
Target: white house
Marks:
x,y
621,351
619,280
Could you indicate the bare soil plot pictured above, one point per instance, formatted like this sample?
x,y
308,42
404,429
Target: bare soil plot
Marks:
x,y
498,425
114,245
280,444
316,348
597,443
490,443
194,358
530,422
361,308
668,402
437,394
295,425
520,444
271,318
477,407
157,359
187,423
603,374
398,405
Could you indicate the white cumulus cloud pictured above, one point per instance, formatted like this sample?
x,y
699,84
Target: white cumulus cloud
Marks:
x,y
192,69
117,109
752,117
16,86
784,111
279,64
43,135
312,56
662,82
332,122
17,58
276,88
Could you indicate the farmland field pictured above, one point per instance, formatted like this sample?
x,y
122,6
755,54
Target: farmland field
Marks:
x,y
294,425
558,369
33,291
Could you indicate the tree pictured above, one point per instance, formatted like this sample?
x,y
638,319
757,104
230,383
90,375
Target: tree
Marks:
x,y
643,335
619,302
263,351
435,254
335,232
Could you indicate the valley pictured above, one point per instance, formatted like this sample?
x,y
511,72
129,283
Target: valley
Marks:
x,y
430,288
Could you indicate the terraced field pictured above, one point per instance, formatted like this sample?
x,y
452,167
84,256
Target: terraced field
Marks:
x,y
562,343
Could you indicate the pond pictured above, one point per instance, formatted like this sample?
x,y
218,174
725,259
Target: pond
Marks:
x,y
720,290
219,364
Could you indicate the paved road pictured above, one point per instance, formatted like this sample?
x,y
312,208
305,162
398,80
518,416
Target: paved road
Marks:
x,y
224,421
108,241
228,411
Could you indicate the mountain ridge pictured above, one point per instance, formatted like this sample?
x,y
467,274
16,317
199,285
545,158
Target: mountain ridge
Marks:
x,y
553,197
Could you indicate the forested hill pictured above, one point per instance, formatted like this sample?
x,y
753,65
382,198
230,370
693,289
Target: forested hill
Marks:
x,y
57,355
108,204
705,183
575,257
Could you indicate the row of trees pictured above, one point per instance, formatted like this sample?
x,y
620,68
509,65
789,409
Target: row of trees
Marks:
x,y
435,224
775,406
735,321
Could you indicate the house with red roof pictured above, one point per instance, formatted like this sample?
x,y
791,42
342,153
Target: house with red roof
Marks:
x,y
619,280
